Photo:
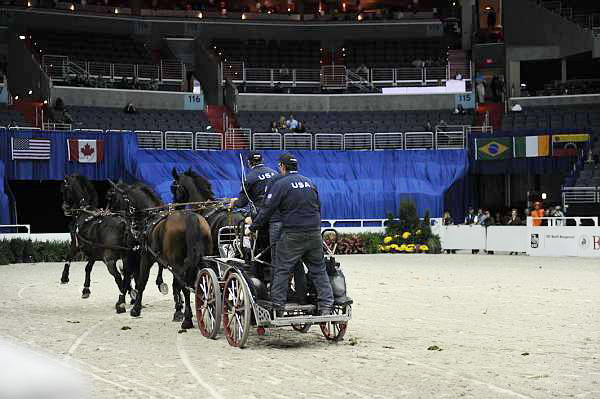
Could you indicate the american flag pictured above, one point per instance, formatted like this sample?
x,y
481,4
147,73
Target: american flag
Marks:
x,y
30,148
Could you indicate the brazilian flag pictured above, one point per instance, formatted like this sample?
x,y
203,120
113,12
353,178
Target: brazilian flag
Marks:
x,y
490,149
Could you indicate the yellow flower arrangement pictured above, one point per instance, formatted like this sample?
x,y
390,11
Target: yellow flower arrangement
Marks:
x,y
405,235
423,248
387,240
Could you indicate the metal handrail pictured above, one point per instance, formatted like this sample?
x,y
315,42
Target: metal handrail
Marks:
x,y
209,141
358,141
298,141
418,141
179,140
148,139
329,141
445,140
267,141
388,141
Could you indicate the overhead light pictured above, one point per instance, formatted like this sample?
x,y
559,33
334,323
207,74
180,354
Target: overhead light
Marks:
x,y
359,17
45,101
200,15
243,15
268,12
29,4
289,9
487,8
72,7
116,10
454,4
30,92
22,37
544,196
16,97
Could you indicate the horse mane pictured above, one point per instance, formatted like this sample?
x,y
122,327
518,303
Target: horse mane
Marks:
x,y
148,192
88,189
202,184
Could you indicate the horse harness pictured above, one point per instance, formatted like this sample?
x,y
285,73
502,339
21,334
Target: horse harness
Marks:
x,y
95,217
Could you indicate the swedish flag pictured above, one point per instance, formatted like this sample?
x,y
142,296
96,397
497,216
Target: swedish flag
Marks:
x,y
493,148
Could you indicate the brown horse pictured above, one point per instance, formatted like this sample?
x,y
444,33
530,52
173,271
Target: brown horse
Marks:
x,y
176,240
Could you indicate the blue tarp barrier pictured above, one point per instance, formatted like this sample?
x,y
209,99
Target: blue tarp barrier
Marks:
x,y
119,152
352,185
4,202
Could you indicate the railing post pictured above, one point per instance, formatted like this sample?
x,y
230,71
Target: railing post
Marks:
x,y
293,77
271,71
243,72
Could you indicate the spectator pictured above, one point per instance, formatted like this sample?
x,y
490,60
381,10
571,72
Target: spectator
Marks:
x,y
292,123
130,109
447,219
301,127
537,213
486,219
471,217
282,123
590,157
514,219
480,92
428,127
363,70
498,219
459,110
558,213
496,88
274,128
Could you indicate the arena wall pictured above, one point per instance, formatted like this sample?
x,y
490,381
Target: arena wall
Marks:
x,y
547,101
343,102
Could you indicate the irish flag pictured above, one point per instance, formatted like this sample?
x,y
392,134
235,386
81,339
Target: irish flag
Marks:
x,y
531,146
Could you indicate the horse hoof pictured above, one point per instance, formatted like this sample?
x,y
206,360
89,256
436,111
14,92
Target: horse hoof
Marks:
x,y
120,308
163,288
187,324
64,280
178,316
85,293
135,312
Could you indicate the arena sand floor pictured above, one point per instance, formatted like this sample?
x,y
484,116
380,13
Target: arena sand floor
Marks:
x,y
505,326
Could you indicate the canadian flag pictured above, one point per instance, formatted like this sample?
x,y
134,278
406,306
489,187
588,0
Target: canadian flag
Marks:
x,y
88,151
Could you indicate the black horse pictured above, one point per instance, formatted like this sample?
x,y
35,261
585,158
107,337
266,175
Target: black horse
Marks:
x,y
96,234
189,186
175,239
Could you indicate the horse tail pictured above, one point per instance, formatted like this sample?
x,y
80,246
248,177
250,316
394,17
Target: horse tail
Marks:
x,y
194,244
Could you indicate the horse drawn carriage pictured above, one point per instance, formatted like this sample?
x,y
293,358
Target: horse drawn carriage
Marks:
x,y
228,289
179,236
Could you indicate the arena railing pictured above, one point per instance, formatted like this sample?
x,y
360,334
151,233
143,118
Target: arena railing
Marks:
x,y
18,128
267,141
59,67
150,139
564,221
90,131
329,141
388,141
238,138
56,127
358,141
179,140
209,141
580,195
418,141
445,140
298,141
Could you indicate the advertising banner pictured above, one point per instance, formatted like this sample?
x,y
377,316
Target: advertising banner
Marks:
x,y
582,241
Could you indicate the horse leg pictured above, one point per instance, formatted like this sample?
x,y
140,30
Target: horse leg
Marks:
x,y
111,264
64,279
130,266
85,293
178,315
187,320
140,283
162,287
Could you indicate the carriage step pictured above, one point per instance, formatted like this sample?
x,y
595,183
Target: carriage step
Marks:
x,y
308,319
296,307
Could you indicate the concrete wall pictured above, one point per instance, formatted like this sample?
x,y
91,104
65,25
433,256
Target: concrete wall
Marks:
x,y
343,102
93,97
546,101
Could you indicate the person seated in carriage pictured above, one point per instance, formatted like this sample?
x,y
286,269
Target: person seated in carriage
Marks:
x,y
251,197
296,199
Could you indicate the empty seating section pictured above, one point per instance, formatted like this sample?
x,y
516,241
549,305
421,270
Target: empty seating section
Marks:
x,y
572,87
96,47
357,122
395,53
10,117
144,119
567,117
269,54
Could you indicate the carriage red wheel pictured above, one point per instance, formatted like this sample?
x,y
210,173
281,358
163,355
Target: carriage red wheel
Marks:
x,y
334,331
236,310
208,303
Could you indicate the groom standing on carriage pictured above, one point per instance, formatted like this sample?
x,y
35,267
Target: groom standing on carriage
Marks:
x,y
297,200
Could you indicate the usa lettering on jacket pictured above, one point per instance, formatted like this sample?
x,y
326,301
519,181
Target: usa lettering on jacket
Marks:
x,y
300,184
267,175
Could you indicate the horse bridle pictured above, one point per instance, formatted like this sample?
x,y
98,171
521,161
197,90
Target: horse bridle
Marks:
x,y
67,206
